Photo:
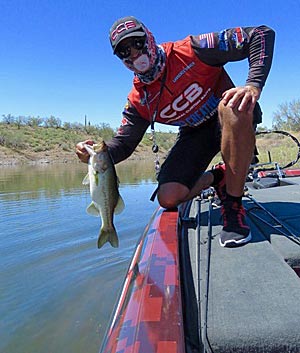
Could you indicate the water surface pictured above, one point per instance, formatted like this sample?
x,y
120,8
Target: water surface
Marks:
x,y
57,290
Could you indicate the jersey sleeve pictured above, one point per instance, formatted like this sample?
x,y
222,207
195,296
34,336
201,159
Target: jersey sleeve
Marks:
x,y
253,43
129,134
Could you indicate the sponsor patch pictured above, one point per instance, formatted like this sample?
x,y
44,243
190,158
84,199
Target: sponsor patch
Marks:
x,y
182,72
238,38
223,41
206,40
124,121
202,114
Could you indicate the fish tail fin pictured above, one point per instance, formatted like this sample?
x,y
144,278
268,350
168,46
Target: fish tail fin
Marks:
x,y
108,235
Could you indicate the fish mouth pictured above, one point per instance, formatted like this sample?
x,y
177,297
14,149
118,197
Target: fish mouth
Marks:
x,y
89,149
100,147
96,148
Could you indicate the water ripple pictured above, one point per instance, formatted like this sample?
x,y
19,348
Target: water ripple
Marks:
x,y
57,289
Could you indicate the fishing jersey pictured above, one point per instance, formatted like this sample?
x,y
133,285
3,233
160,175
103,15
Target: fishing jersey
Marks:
x,y
189,90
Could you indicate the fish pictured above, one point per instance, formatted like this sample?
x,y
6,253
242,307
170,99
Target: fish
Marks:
x,y
104,189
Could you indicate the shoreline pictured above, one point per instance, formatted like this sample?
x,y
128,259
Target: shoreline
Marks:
x,y
11,158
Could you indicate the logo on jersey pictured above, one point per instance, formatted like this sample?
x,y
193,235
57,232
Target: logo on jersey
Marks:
x,y
182,102
223,41
239,38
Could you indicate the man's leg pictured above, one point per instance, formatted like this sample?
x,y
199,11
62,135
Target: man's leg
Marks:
x,y
182,175
237,146
172,194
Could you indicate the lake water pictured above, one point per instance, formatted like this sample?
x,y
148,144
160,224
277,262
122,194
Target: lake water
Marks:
x,y
57,290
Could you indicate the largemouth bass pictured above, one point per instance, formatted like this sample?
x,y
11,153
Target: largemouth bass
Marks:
x,y
104,190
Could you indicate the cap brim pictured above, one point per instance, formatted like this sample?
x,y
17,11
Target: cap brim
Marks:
x,y
132,34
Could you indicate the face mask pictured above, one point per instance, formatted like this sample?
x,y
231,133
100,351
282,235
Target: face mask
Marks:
x,y
150,64
142,63
139,65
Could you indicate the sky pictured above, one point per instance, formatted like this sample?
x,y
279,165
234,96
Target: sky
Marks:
x,y
56,59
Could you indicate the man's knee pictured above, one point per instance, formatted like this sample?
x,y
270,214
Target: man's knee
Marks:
x,y
233,117
170,195
166,201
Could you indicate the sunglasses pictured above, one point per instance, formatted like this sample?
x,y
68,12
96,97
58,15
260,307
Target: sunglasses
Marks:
x,y
123,52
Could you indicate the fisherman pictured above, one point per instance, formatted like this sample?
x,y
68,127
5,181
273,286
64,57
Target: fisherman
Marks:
x,y
184,84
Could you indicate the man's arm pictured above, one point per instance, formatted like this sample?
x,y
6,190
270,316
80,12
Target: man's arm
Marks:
x,y
129,134
234,44
122,145
254,43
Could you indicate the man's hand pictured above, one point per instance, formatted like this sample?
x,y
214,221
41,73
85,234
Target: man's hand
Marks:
x,y
242,98
82,152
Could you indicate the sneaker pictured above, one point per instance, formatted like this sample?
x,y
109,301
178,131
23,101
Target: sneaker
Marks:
x,y
235,231
220,187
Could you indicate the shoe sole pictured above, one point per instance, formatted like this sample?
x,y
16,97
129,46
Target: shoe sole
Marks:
x,y
231,243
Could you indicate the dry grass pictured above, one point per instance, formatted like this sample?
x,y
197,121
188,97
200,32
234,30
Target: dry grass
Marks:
x,y
282,149
29,144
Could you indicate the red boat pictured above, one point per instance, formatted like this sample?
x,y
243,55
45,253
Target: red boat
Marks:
x,y
148,316
185,293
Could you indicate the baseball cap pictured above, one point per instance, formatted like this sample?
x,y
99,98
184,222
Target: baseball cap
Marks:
x,y
124,28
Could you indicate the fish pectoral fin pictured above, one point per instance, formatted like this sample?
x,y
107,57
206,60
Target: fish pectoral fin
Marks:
x,y
108,235
86,180
120,205
93,210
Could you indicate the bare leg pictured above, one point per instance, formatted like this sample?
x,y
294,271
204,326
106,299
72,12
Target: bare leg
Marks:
x,y
237,146
203,182
172,194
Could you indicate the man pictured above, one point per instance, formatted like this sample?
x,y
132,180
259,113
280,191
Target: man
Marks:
x,y
184,84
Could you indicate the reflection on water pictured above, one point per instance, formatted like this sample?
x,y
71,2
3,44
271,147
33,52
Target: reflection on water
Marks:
x,y
57,289
53,180
135,172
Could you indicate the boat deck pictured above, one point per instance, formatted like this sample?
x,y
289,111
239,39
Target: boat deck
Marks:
x,y
184,293
243,299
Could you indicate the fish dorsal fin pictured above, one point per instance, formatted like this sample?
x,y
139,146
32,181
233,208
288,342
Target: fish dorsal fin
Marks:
x,y
93,210
120,205
86,180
